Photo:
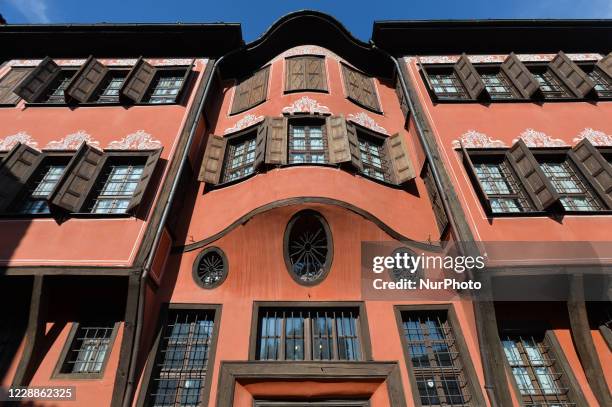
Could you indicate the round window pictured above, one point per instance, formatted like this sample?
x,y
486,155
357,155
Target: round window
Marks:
x,y
308,247
405,265
210,268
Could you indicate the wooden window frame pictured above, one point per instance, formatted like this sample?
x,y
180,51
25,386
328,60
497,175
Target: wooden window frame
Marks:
x,y
186,71
443,69
57,372
363,132
308,121
229,139
42,100
94,100
543,68
233,109
468,368
161,326
592,67
362,76
495,69
196,266
363,327
306,88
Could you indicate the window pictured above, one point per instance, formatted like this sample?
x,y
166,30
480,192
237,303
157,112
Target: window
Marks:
x,y
90,346
116,187
307,143
55,92
308,247
210,268
535,370
435,359
550,86
603,83
305,73
240,157
251,91
574,192
111,86
165,87
41,184
498,85
501,187
309,334
9,82
360,88
447,86
373,156
182,362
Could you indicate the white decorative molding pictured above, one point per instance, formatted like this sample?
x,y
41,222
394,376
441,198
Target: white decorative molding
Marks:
x,y
141,140
534,138
107,62
22,137
474,139
497,59
307,50
364,120
306,105
246,121
596,137
72,141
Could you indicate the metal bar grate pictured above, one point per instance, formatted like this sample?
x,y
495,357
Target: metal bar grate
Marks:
x,y
89,348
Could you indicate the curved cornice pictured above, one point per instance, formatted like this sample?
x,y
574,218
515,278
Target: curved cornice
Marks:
x,y
306,200
306,27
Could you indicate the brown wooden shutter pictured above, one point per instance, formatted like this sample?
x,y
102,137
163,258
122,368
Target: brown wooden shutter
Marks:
x,y
259,89
78,179
425,75
399,160
351,131
436,200
337,140
605,64
520,76
401,98
368,91
276,149
185,84
8,84
360,88
471,170
295,77
145,178
595,169
352,83
137,82
15,170
469,77
531,175
212,164
32,87
241,96
315,73
260,145
86,80
571,75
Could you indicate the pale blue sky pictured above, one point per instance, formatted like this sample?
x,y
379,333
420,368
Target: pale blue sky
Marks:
x,y
256,16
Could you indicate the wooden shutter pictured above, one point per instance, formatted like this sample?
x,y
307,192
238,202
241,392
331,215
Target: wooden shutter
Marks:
x,y
471,170
185,84
8,84
259,89
595,169
520,76
337,140
15,170
212,164
401,98
352,83
145,178
399,160
260,145
295,77
86,80
469,77
425,75
360,88
137,82
368,90
78,180
531,176
436,200
605,64
32,87
351,131
276,148
315,73
571,75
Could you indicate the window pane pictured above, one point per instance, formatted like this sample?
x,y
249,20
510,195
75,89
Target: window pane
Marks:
x,y
307,144
117,186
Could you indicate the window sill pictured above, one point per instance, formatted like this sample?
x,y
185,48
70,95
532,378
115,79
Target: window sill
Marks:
x,y
534,214
70,215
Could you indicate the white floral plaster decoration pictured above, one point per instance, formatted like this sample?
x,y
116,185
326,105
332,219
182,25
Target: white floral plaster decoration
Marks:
x,y
107,62
22,137
246,121
72,141
496,59
596,137
141,140
534,138
474,139
306,105
364,120
306,50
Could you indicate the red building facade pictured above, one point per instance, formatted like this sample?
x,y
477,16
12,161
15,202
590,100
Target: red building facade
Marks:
x,y
187,227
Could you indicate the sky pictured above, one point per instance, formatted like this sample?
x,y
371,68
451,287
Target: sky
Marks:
x,y
257,15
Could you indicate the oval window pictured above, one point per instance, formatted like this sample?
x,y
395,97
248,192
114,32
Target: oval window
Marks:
x,y
405,265
210,268
308,247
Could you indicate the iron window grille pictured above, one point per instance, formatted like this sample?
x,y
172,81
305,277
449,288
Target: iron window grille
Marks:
x,y
574,192
34,200
550,86
111,87
502,188
115,188
240,158
55,92
447,86
535,372
373,157
498,86
181,365
603,84
166,87
89,349
435,359
309,334
307,144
